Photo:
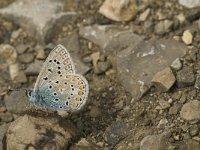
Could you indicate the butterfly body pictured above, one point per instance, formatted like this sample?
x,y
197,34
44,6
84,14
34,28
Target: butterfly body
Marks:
x,y
58,87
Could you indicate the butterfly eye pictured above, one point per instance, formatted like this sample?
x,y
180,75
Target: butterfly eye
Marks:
x,y
61,107
58,67
54,93
54,60
56,99
50,86
67,103
57,82
59,72
50,60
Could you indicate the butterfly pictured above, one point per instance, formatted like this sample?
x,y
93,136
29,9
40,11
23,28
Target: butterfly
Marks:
x,y
58,87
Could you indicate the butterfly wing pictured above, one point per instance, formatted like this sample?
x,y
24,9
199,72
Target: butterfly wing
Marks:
x,y
68,93
57,86
58,63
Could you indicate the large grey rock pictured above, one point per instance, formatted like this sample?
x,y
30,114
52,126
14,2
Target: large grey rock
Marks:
x,y
37,17
110,37
137,65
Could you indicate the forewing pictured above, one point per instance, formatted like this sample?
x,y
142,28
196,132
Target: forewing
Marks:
x,y
58,64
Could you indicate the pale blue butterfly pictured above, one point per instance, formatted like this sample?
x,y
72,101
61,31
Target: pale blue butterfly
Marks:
x,y
58,87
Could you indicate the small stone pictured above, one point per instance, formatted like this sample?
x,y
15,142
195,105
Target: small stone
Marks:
x,y
121,10
102,67
183,98
163,27
16,75
164,80
3,129
116,132
191,111
197,82
163,104
26,58
83,144
194,130
8,54
175,109
143,16
34,68
63,113
6,117
154,142
20,77
190,3
185,77
21,48
187,37
162,123
17,102
176,64
181,18
40,53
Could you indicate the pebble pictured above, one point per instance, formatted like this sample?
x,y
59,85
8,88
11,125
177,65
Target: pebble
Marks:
x,y
3,130
34,68
143,16
162,123
194,130
176,64
21,48
116,132
20,77
197,82
26,58
163,27
187,37
102,67
8,54
40,53
17,102
164,80
121,10
163,104
191,111
190,3
154,142
175,109
6,117
185,77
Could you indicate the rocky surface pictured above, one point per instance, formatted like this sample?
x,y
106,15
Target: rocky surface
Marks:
x,y
144,43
